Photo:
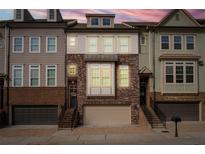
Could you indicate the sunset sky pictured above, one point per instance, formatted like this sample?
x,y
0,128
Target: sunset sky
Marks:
x,y
121,14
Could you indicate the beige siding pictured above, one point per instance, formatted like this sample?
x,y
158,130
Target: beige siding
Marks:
x,y
2,53
41,58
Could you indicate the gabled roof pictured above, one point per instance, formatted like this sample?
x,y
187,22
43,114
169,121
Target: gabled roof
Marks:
x,y
173,12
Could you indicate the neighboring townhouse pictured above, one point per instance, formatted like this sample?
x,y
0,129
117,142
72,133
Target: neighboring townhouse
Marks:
x,y
3,72
171,66
102,71
36,67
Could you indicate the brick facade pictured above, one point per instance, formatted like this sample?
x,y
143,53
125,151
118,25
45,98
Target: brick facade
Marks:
x,y
37,96
123,96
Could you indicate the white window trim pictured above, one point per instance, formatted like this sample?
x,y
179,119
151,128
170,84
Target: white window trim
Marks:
x,y
13,68
39,42
107,25
182,42
55,15
88,79
94,25
39,72
129,44
121,67
13,45
97,44
161,42
184,72
22,15
113,43
55,45
55,75
186,42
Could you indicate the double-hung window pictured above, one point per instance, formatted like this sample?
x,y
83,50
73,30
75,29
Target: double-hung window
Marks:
x,y
169,72
100,79
94,21
106,21
108,44
123,76
123,44
92,44
72,41
18,44
51,44
17,75
34,43
19,14
189,72
52,14
190,42
177,42
51,75
164,42
34,75
179,72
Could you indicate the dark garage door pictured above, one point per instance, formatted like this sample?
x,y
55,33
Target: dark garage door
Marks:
x,y
187,111
35,115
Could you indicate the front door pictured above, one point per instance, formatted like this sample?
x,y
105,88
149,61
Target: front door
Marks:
x,y
143,91
73,95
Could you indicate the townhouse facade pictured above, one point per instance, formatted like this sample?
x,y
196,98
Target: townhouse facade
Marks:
x,y
101,73
172,80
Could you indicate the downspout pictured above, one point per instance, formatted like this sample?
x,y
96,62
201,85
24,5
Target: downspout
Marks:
x,y
154,85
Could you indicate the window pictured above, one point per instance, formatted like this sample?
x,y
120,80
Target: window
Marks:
x,y
51,44
177,42
190,42
18,44
51,75
108,44
169,73
34,75
94,21
72,70
72,41
179,72
19,14
92,44
1,43
189,73
17,75
34,44
164,42
100,79
51,14
123,43
106,22
143,40
123,76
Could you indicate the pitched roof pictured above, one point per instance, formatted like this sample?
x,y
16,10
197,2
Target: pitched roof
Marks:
x,y
173,12
99,15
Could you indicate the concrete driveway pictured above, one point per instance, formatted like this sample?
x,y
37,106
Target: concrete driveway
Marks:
x,y
189,133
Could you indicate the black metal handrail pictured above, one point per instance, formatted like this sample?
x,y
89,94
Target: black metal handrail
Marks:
x,y
160,114
75,118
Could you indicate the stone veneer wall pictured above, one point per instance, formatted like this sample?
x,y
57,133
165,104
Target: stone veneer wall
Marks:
x,y
123,96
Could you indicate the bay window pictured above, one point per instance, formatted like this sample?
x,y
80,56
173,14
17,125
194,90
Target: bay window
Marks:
x,y
100,79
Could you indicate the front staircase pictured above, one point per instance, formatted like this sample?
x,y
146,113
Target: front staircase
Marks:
x,y
153,119
68,119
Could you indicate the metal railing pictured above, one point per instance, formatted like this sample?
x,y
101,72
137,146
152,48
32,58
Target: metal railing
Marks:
x,y
160,114
75,118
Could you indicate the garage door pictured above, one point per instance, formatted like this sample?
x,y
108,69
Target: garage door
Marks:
x,y
107,115
35,115
187,111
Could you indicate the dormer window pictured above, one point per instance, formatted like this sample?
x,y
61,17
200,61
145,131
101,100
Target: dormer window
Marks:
x,y
51,15
94,21
18,16
106,22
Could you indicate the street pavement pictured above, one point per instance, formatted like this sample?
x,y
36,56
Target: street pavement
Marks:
x,y
190,133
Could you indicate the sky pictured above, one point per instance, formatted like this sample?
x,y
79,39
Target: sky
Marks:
x,y
121,14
